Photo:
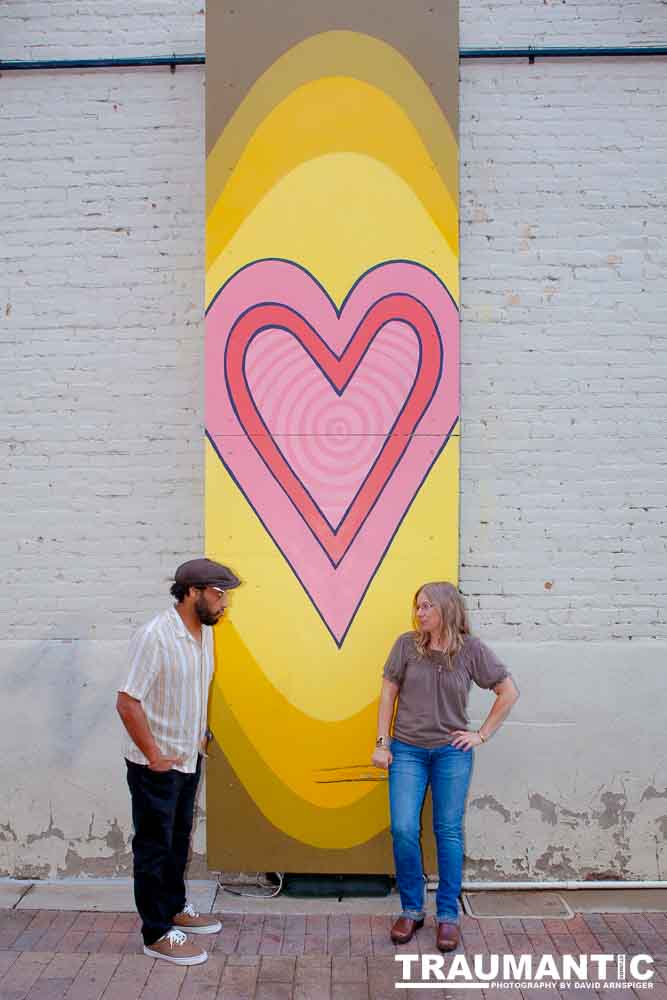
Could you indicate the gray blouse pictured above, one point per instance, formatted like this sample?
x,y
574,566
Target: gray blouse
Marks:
x,y
434,690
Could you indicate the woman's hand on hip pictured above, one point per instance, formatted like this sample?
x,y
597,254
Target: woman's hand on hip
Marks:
x,y
463,740
382,757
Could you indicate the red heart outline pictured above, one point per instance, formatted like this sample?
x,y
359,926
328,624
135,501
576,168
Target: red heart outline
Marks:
x,y
338,369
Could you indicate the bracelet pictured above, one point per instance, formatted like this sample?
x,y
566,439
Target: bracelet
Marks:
x,y
382,743
482,738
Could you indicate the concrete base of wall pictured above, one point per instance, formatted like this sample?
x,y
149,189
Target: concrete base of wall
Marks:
x,y
572,787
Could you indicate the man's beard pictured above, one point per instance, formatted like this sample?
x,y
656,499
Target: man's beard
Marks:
x,y
206,617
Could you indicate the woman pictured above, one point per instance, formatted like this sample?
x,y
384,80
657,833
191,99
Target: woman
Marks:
x,y
430,671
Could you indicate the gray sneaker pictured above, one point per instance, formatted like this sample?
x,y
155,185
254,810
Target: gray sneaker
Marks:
x,y
175,947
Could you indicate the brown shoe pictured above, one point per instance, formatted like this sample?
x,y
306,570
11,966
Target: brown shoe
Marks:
x,y
196,923
447,938
175,947
404,928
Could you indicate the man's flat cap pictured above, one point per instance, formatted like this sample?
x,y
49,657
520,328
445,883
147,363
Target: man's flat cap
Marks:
x,y
206,573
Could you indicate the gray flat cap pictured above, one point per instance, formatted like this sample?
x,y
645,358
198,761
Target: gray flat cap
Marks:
x,y
206,573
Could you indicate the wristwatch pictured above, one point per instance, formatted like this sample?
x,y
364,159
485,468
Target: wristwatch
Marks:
x,y
382,743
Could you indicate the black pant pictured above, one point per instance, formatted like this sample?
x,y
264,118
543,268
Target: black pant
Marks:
x,y
162,813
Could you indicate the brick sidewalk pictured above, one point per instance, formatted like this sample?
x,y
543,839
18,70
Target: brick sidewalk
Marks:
x,y
50,954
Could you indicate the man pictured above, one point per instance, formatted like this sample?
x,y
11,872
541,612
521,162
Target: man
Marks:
x,y
163,706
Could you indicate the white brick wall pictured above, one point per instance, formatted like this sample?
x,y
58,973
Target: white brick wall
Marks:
x,y
562,22
65,29
564,270
101,301
564,308
564,324
52,29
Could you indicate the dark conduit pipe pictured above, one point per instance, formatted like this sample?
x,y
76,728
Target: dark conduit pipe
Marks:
x,y
198,59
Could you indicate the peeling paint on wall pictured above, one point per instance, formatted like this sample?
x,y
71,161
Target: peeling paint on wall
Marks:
x,y
614,812
546,808
51,831
489,802
652,793
555,863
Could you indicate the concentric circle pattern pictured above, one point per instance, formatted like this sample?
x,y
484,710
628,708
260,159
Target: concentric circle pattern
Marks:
x,y
331,439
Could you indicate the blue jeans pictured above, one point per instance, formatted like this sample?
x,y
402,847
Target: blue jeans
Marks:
x,y
448,770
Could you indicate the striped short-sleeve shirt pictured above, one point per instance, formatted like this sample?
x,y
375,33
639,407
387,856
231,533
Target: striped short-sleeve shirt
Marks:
x,y
170,674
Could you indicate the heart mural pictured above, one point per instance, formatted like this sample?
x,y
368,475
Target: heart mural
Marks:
x,y
328,419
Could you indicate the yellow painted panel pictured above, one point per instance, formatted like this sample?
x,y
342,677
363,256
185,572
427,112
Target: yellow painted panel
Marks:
x,y
334,115
337,169
338,216
327,822
337,53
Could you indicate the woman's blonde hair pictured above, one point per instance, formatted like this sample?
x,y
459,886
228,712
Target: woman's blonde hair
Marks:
x,y
454,625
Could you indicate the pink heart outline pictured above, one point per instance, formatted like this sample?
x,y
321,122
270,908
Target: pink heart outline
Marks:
x,y
332,522
336,592
334,368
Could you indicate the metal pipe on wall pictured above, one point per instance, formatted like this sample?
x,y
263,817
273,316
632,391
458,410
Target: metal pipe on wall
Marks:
x,y
566,884
529,52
